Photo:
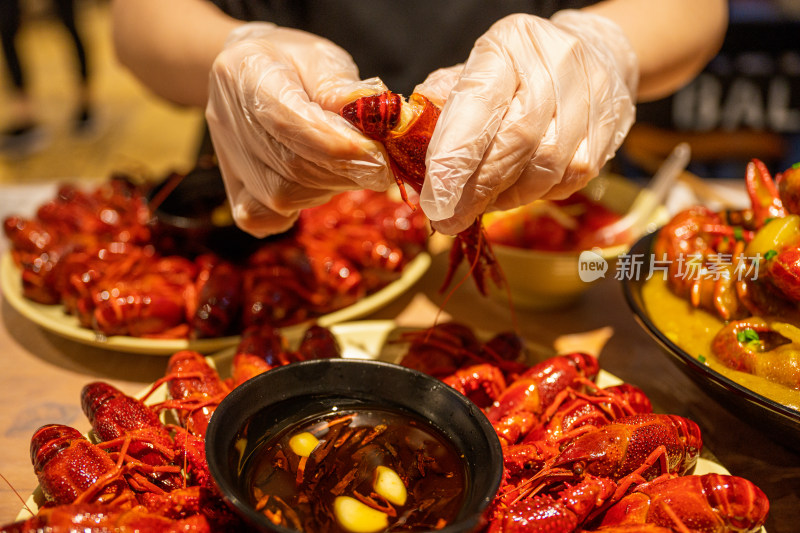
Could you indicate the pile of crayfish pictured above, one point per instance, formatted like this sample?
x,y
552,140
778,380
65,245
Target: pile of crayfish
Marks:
x,y
139,473
93,252
578,457
743,266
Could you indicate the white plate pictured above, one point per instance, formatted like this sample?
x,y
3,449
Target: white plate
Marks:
x,y
358,340
54,319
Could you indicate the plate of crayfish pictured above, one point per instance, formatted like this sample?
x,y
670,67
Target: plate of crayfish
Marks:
x,y
719,291
580,449
92,265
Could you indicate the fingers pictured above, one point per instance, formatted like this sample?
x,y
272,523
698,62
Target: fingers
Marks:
x,y
262,87
504,162
523,106
276,130
468,124
334,96
439,83
272,207
277,107
563,135
253,216
536,112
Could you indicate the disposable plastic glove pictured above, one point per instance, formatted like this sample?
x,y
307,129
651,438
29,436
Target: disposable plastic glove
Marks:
x,y
274,97
535,112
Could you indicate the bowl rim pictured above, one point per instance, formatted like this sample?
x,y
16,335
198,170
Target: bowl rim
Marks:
x,y
632,291
197,221
232,403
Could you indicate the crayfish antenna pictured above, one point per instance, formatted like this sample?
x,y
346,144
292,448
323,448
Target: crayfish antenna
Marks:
x,y
18,495
166,189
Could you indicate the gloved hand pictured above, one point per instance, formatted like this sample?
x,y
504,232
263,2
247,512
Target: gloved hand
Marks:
x,y
272,112
535,112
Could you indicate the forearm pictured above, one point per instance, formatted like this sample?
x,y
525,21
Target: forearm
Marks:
x,y
673,39
170,45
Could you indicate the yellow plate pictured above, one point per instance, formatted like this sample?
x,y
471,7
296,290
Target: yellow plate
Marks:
x,y
54,319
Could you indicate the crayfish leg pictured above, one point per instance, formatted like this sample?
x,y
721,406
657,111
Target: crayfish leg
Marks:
x,y
473,244
401,184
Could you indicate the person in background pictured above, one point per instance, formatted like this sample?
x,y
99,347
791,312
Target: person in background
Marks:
x,y
22,135
537,95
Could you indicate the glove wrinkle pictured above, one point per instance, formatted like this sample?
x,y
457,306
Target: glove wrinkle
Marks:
x,y
536,111
273,117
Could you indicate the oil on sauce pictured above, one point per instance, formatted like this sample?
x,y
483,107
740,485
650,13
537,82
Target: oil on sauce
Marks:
x,y
359,471
693,330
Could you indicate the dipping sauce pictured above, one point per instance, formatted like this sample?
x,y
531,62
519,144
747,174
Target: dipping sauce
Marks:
x,y
359,471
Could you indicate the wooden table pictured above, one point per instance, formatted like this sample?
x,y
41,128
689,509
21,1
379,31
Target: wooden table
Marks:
x,y
41,376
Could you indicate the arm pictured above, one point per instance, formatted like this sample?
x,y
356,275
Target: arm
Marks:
x,y
170,45
673,39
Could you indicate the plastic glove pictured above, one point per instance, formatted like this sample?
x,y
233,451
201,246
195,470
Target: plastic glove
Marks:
x,y
273,105
537,109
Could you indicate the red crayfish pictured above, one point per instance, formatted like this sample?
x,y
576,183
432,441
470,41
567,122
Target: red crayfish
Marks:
x,y
405,128
94,253
138,473
578,457
744,267
710,502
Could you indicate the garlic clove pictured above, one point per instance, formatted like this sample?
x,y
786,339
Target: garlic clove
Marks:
x,y
358,517
303,443
388,484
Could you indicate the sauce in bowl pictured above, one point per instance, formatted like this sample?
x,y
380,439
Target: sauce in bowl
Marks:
x,y
358,471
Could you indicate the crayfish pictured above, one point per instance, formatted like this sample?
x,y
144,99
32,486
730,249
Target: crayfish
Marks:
x,y
578,457
95,253
405,128
140,474
575,456
743,266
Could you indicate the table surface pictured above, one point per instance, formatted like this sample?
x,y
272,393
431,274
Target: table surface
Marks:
x,y
42,376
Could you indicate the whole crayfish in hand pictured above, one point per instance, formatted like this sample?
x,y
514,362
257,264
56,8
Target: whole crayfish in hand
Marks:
x,y
405,129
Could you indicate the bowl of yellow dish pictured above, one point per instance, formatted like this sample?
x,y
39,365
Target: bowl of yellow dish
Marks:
x,y
548,250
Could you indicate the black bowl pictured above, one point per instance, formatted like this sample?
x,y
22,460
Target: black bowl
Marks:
x,y
190,216
269,403
779,421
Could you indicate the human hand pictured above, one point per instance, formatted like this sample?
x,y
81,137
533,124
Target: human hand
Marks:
x,y
535,112
274,97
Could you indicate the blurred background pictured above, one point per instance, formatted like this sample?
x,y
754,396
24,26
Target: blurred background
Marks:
x,y
746,103
127,129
